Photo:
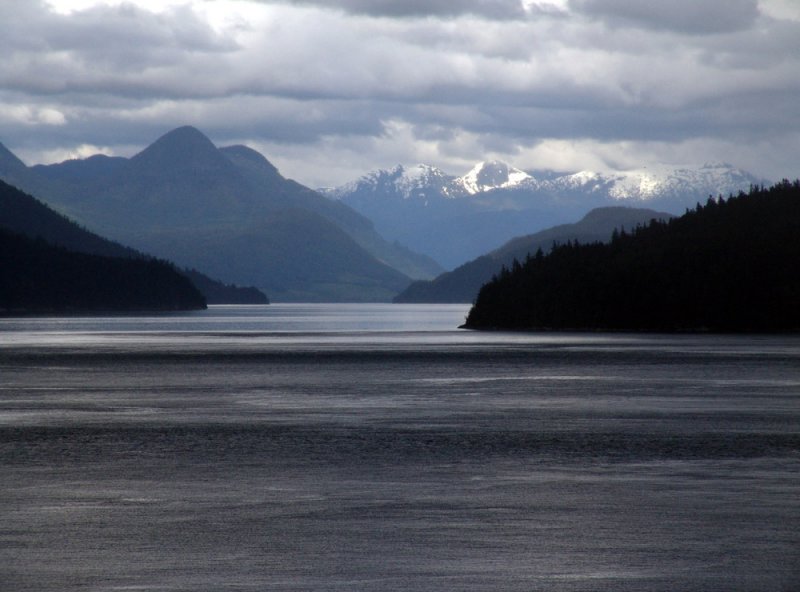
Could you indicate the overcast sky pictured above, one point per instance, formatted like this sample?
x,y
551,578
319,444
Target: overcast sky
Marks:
x,y
329,90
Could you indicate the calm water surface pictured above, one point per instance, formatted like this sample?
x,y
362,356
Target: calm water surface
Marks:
x,y
378,448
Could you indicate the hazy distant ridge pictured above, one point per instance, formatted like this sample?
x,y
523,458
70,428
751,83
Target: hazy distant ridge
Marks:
x,y
462,284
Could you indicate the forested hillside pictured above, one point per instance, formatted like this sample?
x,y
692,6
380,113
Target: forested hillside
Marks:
x,y
37,277
227,212
462,284
731,265
23,214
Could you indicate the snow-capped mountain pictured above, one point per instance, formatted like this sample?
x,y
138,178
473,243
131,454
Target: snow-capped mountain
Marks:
x,y
454,219
659,183
423,181
493,174
419,181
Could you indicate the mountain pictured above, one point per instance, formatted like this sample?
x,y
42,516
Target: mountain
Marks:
x,y
24,215
729,266
14,172
456,219
230,213
38,273
9,163
462,284
674,188
487,176
80,170
436,214
287,194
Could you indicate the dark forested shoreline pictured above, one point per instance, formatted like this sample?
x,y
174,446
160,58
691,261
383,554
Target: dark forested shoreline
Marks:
x,y
731,265
37,277
25,216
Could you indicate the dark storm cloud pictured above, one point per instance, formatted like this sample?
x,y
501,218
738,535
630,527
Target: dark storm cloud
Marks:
x,y
490,9
681,16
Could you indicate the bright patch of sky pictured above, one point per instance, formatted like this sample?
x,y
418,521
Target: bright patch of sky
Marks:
x,y
72,6
329,90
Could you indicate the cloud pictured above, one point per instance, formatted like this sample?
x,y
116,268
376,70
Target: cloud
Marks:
x,y
682,16
330,89
100,49
29,115
490,9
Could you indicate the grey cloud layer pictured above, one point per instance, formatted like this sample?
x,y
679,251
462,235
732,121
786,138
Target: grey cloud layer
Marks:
x,y
683,16
118,50
313,73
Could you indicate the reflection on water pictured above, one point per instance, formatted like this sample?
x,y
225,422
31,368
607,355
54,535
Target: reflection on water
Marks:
x,y
276,318
352,447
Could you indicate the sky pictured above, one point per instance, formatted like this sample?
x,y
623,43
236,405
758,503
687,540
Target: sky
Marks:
x,y
328,91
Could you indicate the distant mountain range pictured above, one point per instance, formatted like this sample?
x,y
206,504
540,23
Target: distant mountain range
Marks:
x,y
455,219
229,213
462,284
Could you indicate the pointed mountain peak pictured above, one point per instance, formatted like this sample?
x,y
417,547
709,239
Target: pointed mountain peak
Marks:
x,y
420,180
492,174
182,138
184,135
183,148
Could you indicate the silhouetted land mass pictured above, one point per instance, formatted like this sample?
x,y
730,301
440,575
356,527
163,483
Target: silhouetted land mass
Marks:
x,y
219,293
462,284
36,277
729,266
23,214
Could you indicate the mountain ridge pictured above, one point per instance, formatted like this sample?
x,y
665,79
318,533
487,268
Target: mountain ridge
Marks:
x,y
181,198
463,283
455,219
48,264
24,215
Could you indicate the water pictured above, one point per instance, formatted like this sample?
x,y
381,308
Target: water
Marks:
x,y
377,448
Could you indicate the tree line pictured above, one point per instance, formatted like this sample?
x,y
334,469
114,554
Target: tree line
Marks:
x,y
730,265
37,277
23,214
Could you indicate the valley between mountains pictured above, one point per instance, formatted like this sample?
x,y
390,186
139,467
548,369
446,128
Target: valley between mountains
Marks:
x,y
227,212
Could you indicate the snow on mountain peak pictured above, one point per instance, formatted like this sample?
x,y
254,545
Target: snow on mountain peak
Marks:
x,y
427,184
581,179
418,180
421,171
492,174
637,185
649,183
